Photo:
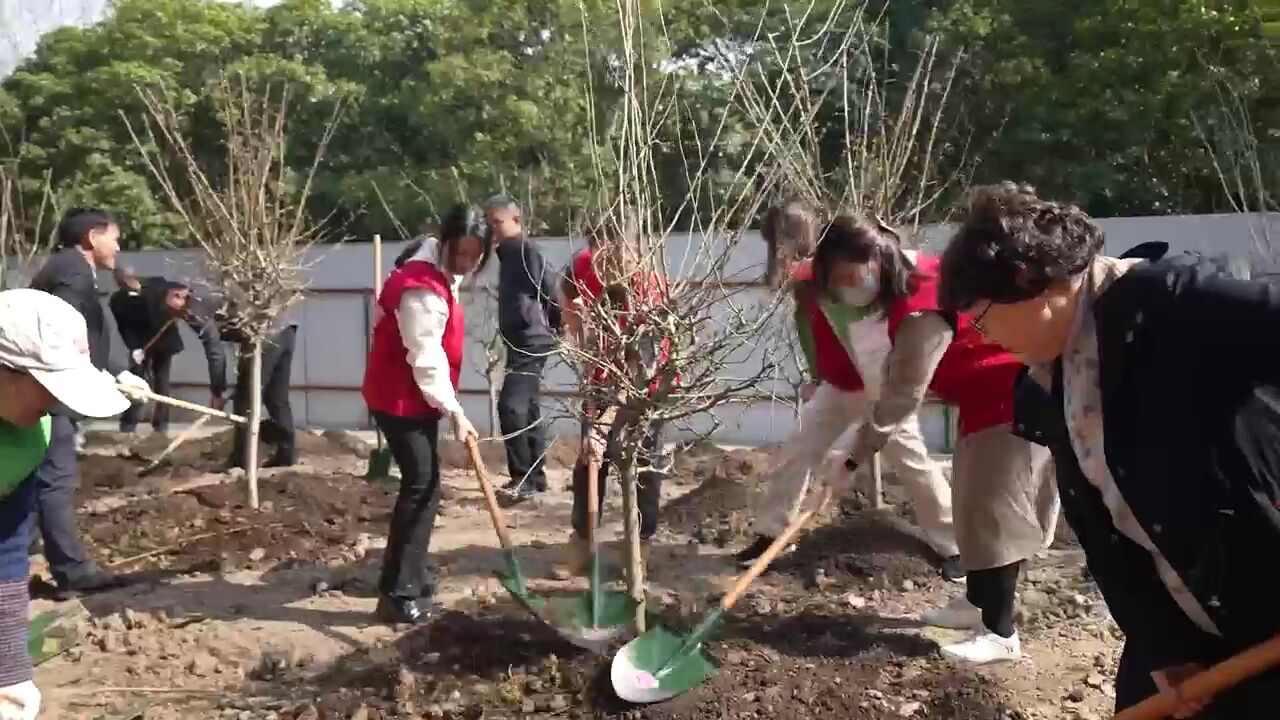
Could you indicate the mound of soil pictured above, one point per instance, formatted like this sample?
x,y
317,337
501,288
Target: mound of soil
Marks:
x,y
819,663
719,509
303,519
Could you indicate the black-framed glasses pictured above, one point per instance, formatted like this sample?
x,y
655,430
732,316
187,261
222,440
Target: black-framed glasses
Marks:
x,y
976,321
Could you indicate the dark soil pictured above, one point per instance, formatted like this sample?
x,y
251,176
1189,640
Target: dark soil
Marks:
x,y
303,519
788,650
718,511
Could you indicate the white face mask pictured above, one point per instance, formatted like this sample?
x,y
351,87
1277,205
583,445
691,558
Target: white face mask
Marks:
x,y
862,294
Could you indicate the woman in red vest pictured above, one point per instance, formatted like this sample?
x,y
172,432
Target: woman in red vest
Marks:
x,y
1004,508
410,382
605,273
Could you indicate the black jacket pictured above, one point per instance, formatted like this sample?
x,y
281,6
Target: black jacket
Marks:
x,y
528,316
141,315
1190,365
69,276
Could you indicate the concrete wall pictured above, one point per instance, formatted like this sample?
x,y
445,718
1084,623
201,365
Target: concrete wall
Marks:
x,y
335,321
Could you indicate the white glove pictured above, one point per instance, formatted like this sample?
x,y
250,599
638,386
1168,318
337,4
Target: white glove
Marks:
x,y
132,384
462,427
20,702
138,356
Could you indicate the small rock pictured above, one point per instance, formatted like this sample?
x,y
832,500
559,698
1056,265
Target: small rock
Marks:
x,y
308,712
749,698
113,622
133,619
539,544
875,694
908,585
857,602
435,710
202,665
1076,695
535,684
256,554
735,657
528,706
320,587
109,642
406,683
1095,680
908,709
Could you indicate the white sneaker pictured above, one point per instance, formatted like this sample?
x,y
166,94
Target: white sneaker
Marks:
x,y
983,648
959,614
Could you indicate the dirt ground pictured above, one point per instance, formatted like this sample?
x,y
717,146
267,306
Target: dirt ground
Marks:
x,y
266,615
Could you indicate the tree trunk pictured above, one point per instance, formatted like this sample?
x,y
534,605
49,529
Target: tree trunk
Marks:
x,y
255,418
631,513
495,426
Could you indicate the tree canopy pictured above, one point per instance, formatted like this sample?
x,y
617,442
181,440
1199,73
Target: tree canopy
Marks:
x,y
1087,99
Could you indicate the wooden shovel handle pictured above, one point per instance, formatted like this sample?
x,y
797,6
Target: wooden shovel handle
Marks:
x,y
593,499
1229,672
137,392
490,499
769,555
156,338
185,436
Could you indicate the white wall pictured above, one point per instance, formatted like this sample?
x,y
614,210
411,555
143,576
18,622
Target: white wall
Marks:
x,y
335,320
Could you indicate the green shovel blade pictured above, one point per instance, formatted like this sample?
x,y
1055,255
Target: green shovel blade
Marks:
x,y
515,585
657,666
572,617
379,465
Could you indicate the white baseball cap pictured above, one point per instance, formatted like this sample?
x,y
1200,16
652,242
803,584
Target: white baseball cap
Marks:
x,y
43,336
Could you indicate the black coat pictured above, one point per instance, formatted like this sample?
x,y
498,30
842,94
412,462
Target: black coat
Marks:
x,y
141,316
1190,366
528,316
69,276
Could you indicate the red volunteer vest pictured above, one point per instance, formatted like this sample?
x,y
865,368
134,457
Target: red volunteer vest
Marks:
x,y
975,375
591,288
831,358
389,386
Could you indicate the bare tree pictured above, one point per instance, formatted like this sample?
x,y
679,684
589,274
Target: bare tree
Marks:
x,y
1248,168
248,212
26,229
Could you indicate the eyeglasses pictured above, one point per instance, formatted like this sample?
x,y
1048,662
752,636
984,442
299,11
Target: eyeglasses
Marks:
x,y
976,322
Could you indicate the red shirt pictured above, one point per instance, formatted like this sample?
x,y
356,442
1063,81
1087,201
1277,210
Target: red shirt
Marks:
x,y
591,289
831,359
389,385
975,375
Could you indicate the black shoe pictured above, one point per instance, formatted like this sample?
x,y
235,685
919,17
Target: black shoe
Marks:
x,y
402,611
952,569
278,461
519,494
95,582
748,556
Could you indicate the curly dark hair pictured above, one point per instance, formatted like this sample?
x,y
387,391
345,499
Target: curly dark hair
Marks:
x,y
1013,245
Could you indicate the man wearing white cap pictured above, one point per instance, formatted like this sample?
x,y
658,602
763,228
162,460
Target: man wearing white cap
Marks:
x,y
44,360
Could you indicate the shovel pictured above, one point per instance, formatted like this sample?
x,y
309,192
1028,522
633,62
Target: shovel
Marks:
x,y
660,665
514,582
1232,671
159,461
594,619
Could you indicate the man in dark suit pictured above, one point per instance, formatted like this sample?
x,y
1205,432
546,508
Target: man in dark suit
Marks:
x,y
147,312
214,318
528,320
88,239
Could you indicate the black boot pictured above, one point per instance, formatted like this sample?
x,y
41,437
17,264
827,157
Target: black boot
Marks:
x,y
952,569
401,611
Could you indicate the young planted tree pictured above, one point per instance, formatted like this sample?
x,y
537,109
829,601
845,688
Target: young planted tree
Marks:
x,y
247,211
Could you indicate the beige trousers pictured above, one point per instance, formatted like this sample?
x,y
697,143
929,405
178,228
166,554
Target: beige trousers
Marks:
x,y
830,417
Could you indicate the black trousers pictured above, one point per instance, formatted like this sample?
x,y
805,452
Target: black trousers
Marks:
x,y
277,369
55,496
406,570
994,591
652,470
520,415
155,369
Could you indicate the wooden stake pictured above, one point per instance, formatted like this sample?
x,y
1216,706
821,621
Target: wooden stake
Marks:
x,y
255,419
